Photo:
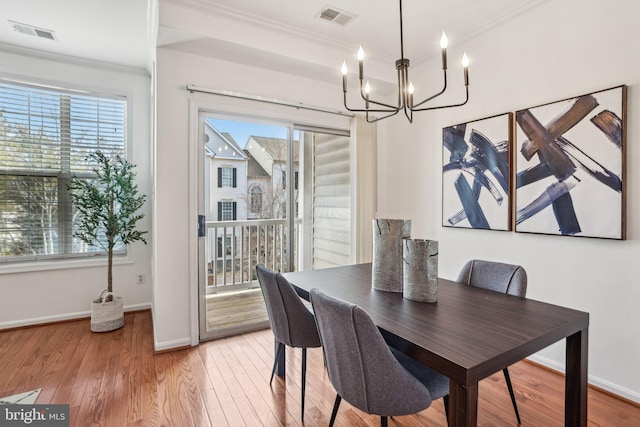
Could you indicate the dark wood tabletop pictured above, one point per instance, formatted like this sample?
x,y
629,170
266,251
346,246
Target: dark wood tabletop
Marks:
x,y
469,334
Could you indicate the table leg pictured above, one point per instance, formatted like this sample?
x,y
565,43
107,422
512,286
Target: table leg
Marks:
x,y
463,401
280,370
575,403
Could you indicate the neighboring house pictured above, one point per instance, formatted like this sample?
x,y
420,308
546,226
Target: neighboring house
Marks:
x,y
226,170
271,155
258,187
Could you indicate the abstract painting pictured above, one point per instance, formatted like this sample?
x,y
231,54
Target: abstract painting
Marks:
x,y
570,163
476,174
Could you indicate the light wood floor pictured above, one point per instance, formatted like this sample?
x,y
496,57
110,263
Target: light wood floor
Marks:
x,y
115,379
237,309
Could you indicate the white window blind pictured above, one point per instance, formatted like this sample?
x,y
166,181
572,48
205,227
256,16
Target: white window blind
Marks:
x,y
45,136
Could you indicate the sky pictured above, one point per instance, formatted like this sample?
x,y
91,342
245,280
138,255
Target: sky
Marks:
x,y
240,131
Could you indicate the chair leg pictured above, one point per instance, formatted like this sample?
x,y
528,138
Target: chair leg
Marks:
x,y
383,422
336,405
304,376
507,378
445,400
275,361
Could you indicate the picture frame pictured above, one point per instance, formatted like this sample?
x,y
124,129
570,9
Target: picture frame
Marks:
x,y
477,175
570,166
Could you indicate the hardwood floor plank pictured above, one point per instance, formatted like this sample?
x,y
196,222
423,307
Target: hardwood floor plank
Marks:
x,y
173,405
228,405
115,379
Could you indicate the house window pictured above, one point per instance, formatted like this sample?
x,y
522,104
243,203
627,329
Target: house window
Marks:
x,y
227,177
45,137
227,211
256,199
284,180
227,250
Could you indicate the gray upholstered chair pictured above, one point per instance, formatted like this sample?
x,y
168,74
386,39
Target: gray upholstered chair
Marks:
x,y
365,371
291,321
496,276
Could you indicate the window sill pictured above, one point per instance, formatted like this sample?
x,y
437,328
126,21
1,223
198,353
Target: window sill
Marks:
x,y
33,266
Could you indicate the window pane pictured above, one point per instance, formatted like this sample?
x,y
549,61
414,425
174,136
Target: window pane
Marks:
x,y
227,177
45,136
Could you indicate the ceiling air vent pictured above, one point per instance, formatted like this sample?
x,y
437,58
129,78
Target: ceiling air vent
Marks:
x,y
333,14
33,31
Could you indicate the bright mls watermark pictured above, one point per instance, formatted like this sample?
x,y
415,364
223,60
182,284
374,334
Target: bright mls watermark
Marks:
x,y
34,415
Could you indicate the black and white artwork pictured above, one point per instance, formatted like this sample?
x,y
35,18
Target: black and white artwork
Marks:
x,y
476,174
570,159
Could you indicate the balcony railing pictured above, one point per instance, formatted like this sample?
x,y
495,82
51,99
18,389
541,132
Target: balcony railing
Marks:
x,y
234,248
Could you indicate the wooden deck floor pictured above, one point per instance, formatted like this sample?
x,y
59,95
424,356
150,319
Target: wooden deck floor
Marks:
x,y
230,313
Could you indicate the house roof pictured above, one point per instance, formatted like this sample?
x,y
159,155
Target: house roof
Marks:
x,y
253,167
275,147
220,146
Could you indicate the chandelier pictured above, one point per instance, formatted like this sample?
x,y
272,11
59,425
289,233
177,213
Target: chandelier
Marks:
x,y
405,87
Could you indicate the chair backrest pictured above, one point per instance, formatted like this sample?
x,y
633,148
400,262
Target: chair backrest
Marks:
x,y
361,367
496,276
291,322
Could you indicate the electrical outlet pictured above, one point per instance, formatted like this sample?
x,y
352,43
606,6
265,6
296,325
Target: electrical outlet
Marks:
x,y
140,279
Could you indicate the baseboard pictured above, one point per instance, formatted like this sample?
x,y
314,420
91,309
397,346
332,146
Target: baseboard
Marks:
x,y
66,317
161,347
606,386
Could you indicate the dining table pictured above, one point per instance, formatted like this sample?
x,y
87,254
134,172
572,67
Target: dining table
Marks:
x,y
467,335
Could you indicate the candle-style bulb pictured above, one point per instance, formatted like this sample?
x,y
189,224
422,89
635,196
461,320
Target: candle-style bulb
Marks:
x,y
465,64
360,64
410,88
367,88
344,77
443,44
444,41
465,60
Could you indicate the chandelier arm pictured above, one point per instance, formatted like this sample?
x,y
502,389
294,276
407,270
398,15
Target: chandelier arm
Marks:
x,y
357,110
409,113
446,106
413,107
382,104
380,118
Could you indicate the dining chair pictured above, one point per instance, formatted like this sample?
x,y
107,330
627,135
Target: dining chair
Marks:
x,y
499,277
291,321
367,373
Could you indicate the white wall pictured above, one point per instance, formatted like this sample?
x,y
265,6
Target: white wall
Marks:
x,y
559,50
59,290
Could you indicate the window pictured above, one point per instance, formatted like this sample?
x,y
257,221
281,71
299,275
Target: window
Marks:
x,y
227,211
227,247
45,136
256,199
227,177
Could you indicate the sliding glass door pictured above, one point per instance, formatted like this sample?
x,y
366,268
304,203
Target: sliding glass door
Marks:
x,y
271,193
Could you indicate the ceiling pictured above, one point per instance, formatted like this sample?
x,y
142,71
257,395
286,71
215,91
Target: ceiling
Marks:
x,y
114,31
285,35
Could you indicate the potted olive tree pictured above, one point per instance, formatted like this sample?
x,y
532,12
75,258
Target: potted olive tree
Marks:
x,y
106,212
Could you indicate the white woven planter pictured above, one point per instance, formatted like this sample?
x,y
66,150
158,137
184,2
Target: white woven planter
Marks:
x,y
107,315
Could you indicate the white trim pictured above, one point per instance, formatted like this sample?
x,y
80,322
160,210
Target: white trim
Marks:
x,y
596,381
62,264
169,345
64,317
192,221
